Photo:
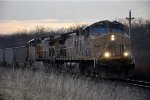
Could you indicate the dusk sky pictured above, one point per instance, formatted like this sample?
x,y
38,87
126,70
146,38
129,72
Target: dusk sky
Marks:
x,y
27,14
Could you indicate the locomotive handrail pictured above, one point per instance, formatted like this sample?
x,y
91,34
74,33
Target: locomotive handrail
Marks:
x,y
98,55
54,56
128,51
130,54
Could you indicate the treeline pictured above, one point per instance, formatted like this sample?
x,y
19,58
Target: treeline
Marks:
x,y
20,38
140,34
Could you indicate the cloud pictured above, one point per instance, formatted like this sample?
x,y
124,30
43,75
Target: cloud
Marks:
x,y
68,10
31,21
10,26
24,14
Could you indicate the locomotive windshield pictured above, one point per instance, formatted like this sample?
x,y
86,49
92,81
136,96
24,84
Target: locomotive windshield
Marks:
x,y
117,27
105,27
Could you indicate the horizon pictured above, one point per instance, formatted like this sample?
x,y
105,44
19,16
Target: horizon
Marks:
x,y
26,15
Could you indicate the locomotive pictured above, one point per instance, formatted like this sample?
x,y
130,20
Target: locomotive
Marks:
x,y
101,49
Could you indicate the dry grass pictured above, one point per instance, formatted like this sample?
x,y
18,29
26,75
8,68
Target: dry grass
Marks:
x,y
28,85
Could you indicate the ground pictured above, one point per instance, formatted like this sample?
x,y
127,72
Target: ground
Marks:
x,y
24,84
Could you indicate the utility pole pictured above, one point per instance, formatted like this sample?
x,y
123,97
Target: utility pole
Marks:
x,y
130,19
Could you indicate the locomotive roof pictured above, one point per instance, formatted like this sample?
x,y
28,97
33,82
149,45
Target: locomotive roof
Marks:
x,y
105,22
65,35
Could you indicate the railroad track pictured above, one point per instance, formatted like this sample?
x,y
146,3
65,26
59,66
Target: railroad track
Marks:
x,y
130,82
137,83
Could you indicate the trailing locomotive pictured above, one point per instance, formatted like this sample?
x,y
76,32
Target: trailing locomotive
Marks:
x,y
102,49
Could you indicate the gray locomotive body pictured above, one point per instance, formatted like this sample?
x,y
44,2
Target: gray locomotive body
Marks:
x,y
102,48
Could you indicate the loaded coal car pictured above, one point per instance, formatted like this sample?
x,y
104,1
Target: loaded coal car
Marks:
x,y
20,56
1,56
15,57
8,57
102,49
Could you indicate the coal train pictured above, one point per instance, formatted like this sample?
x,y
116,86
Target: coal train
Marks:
x,y
101,49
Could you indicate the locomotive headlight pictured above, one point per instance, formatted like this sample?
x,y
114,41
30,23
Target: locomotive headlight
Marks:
x,y
112,37
107,54
126,54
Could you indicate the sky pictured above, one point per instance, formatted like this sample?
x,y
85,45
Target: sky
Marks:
x,y
27,14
